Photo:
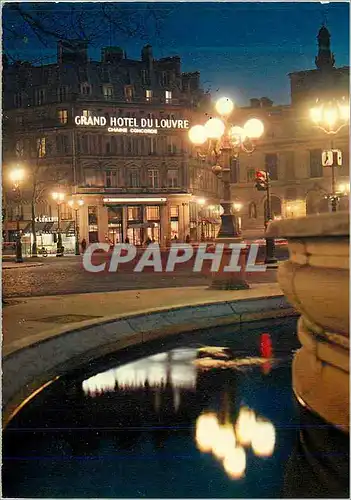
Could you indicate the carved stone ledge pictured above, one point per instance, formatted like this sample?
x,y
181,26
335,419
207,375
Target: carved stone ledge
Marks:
x,y
316,282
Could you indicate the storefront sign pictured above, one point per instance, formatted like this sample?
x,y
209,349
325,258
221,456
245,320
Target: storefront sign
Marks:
x,y
132,125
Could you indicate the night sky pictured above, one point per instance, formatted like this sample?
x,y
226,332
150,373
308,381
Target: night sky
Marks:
x,y
242,50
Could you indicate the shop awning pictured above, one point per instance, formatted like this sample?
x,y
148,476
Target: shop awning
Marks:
x,y
66,227
40,227
141,224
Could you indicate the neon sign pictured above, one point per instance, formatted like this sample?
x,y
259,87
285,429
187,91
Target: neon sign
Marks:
x,y
132,125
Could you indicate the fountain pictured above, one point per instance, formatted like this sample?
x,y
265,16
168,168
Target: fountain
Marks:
x,y
315,280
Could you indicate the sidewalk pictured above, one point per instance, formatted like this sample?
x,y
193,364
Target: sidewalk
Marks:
x,y
32,319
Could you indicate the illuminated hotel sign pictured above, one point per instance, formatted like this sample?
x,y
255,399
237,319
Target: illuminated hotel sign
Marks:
x,y
132,125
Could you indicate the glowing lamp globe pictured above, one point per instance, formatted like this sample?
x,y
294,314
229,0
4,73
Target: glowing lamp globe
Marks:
x,y
330,116
197,135
316,114
224,106
237,134
214,128
207,429
225,441
254,128
345,112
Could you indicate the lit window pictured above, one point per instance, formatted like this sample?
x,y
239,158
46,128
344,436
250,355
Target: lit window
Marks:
x,y
153,176
168,95
174,212
41,147
86,113
153,213
63,116
148,95
108,91
19,148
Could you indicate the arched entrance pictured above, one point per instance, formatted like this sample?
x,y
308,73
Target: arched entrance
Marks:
x,y
316,203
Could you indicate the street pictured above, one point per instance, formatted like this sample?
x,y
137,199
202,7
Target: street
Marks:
x,y
66,276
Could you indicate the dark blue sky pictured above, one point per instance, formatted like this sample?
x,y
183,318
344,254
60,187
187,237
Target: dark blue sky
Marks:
x,y
243,49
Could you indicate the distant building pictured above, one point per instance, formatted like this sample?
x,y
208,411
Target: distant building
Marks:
x,y
114,134
292,146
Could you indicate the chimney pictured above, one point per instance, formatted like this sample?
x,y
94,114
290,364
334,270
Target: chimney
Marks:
x,y
72,51
112,54
266,103
255,103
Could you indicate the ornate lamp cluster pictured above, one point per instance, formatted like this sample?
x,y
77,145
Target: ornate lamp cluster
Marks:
x,y
331,116
218,134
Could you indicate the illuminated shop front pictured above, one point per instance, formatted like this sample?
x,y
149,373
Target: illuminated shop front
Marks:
x,y
46,236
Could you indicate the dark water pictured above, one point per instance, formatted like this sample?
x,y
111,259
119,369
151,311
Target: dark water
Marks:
x,y
128,426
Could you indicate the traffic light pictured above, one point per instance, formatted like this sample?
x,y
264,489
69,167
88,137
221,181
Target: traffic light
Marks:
x,y
261,180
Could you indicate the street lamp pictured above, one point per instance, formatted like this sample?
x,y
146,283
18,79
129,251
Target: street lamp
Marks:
x,y
16,177
76,205
220,140
331,117
59,198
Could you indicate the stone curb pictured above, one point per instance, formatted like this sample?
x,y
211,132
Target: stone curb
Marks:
x,y
51,357
20,266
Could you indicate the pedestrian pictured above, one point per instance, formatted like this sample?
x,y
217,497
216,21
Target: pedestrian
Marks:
x,y
84,245
187,239
126,240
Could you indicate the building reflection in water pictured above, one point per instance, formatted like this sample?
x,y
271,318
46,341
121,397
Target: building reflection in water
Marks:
x,y
215,432
227,440
174,369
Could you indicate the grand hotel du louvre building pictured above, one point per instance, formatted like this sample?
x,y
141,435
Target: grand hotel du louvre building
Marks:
x,y
112,135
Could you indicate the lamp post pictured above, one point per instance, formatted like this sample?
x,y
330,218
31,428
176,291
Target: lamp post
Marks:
x,y
76,205
59,197
331,117
17,176
220,141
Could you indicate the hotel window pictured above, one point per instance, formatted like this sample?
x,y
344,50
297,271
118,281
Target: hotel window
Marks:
x,y
86,113
174,212
271,165
134,177
128,93
108,91
19,120
153,178
62,144
148,95
171,145
92,215
172,178
62,94
168,96
62,116
164,78
153,213
135,213
252,210
145,78
18,100
316,169
41,151
111,178
85,88
39,97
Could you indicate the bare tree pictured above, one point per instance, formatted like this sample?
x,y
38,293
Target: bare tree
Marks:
x,y
48,22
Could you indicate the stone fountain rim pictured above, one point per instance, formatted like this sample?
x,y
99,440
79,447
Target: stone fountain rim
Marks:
x,y
321,225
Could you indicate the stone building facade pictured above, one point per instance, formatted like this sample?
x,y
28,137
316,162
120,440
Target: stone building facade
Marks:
x,y
291,147
113,134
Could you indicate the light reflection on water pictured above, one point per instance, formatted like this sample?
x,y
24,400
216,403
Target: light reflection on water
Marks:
x,y
163,425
